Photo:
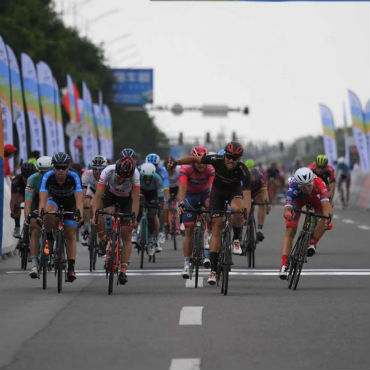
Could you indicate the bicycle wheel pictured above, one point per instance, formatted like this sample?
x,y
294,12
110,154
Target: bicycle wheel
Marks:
x,y
24,257
112,261
59,257
249,245
173,231
253,243
301,259
142,238
92,248
197,250
226,261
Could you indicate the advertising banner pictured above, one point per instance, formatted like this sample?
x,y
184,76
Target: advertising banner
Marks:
x,y
133,86
109,133
18,106
367,125
58,119
46,87
99,122
330,143
358,128
5,98
31,97
346,138
73,118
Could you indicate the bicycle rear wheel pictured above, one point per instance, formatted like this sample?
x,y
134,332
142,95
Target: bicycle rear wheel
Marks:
x,y
112,261
226,262
59,253
92,248
142,239
173,231
198,247
24,256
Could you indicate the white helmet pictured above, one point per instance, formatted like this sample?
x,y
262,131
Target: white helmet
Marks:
x,y
341,160
44,163
147,169
303,176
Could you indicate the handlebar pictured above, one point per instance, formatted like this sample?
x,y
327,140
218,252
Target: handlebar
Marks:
x,y
127,216
197,211
311,213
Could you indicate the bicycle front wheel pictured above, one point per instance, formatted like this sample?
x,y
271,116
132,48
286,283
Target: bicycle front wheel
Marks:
x,y
59,256
112,261
143,239
226,263
198,247
174,231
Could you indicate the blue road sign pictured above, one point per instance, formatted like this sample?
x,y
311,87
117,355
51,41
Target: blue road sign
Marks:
x,y
133,86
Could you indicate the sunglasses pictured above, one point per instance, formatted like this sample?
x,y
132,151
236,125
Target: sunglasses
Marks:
x,y
231,157
98,168
60,168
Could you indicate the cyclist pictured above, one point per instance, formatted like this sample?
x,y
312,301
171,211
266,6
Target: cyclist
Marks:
x,y
305,189
119,183
31,206
18,187
90,180
231,184
325,171
151,189
163,200
61,188
344,176
259,194
173,176
195,183
128,152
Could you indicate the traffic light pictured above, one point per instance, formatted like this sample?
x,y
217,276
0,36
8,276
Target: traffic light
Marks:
x,y
233,136
181,139
208,138
281,146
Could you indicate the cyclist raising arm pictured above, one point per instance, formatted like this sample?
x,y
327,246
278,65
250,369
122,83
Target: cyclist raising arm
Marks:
x,y
231,184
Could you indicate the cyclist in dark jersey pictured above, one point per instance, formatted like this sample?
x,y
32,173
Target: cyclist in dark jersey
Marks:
x,y
18,187
31,206
232,185
61,187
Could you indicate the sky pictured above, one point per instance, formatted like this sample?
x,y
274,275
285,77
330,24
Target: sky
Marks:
x,y
279,59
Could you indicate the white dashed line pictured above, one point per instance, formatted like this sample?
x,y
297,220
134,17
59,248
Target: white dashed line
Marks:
x,y
335,217
185,364
191,315
348,221
190,283
364,227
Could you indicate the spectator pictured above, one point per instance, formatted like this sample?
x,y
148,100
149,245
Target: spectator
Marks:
x,y
9,151
34,157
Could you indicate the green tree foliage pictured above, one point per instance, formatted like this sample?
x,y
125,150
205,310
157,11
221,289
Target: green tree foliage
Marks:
x,y
33,27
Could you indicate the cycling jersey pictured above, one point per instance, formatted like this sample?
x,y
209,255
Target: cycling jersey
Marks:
x,y
89,182
155,185
196,182
164,175
236,179
257,181
70,186
174,178
32,189
108,178
328,175
18,185
343,171
273,173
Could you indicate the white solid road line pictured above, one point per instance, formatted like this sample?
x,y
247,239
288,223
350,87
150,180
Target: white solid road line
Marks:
x,y
364,227
190,283
185,364
348,221
191,315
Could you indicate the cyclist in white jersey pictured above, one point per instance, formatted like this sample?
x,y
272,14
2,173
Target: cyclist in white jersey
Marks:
x,y
120,184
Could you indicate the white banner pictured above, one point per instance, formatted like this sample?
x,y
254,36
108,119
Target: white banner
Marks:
x,y
31,95
346,138
58,119
18,107
5,99
108,125
46,87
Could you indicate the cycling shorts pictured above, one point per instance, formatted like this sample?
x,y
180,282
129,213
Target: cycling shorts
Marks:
x,y
68,204
194,201
314,202
124,203
219,197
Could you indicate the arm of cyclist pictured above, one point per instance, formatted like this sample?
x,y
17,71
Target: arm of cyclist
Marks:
x,y
97,200
184,160
183,185
135,196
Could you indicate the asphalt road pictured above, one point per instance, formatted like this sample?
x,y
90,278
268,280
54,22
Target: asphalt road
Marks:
x,y
156,322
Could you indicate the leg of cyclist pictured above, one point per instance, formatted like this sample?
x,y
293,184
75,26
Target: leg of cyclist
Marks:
x,y
261,197
237,223
50,222
153,226
187,248
163,207
348,185
34,247
15,202
126,252
214,247
70,227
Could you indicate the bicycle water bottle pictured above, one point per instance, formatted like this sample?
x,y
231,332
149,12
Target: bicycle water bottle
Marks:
x,y
108,223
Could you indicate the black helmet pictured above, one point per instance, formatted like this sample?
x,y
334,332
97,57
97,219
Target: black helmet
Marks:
x,y
234,148
28,169
125,167
99,162
61,158
128,152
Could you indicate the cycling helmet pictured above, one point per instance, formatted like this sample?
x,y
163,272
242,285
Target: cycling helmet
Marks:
x,y
125,167
234,148
321,161
290,180
147,169
341,160
198,151
153,158
44,163
250,163
128,152
61,158
303,176
221,152
99,162
28,169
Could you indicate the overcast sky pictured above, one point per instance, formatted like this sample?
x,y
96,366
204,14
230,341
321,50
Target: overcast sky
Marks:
x,y
280,59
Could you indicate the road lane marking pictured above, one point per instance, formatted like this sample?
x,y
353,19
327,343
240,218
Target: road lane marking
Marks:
x,y
348,221
185,364
203,272
191,315
364,227
190,283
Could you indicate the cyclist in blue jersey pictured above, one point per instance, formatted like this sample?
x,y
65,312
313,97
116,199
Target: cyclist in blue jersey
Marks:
x,y
343,176
163,199
61,187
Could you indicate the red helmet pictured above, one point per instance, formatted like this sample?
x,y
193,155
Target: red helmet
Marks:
x,y
234,148
125,167
198,151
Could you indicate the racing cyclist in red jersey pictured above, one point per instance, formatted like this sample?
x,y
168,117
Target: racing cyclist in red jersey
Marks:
x,y
305,189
